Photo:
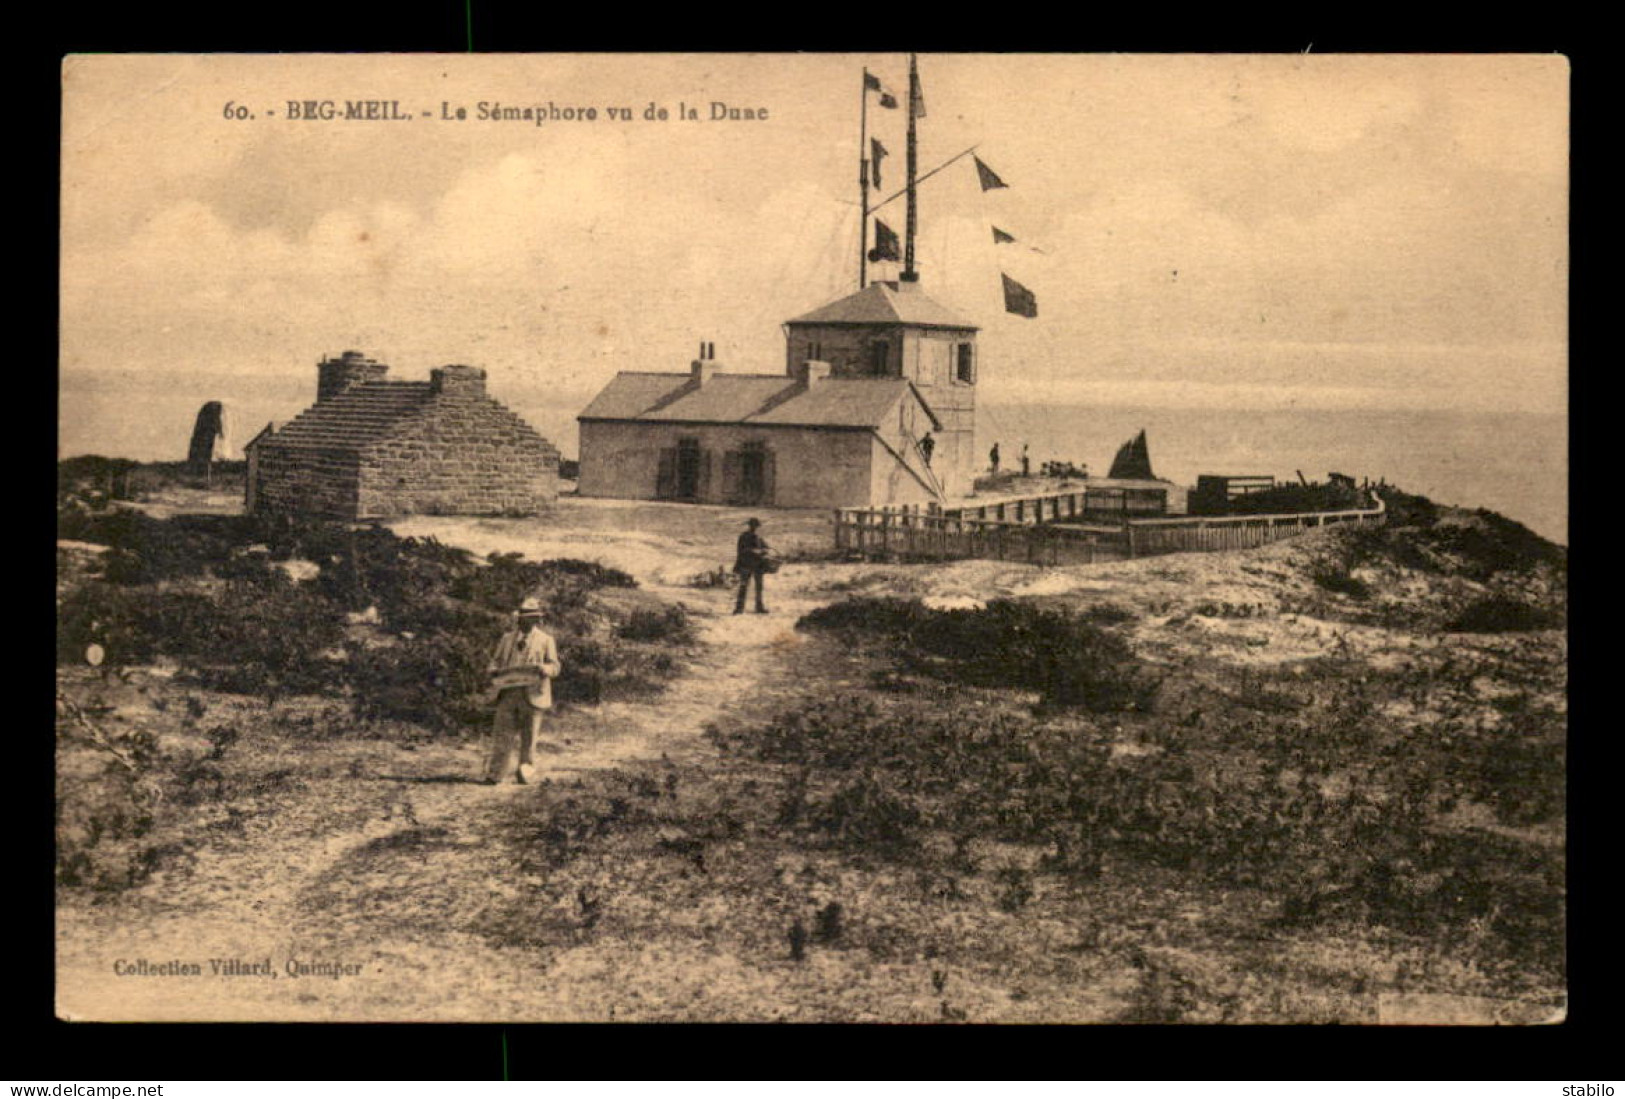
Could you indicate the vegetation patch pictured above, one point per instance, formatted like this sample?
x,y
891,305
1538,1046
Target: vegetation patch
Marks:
x,y
1320,800
1068,660
1480,545
391,630
1503,614
669,624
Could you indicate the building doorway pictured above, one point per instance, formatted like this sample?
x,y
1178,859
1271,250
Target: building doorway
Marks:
x,y
752,476
688,469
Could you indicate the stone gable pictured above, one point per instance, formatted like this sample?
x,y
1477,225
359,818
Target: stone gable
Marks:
x,y
371,448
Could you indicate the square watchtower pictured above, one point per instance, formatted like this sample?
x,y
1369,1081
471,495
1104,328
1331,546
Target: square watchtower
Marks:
x,y
892,330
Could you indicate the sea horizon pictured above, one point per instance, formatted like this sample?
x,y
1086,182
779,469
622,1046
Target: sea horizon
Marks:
x,y
1511,462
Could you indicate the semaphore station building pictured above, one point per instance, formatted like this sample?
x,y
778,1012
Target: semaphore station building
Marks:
x,y
876,406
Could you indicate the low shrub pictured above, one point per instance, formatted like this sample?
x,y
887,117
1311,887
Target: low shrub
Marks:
x,y
250,638
375,567
1335,578
594,573
719,577
1502,614
508,578
106,815
871,614
91,480
435,680
108,615
1479,544
1319,804
269,641
670,624
1108,614
589,669
565,828
1288,498
1068,660
1519,774
145,550
865,814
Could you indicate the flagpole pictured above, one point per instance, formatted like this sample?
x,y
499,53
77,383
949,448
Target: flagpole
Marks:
x,y
898,194
909,274
863,184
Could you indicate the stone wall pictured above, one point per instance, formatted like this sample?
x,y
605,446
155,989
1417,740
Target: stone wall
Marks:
x,y
334,376
845,347
465,455
302,480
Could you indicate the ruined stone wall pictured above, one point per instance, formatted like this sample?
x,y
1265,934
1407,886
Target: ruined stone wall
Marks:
x,y
301,480
464,455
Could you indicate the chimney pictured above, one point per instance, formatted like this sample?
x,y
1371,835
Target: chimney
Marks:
x,y
459,381
812,371
908,282
334,376
703,367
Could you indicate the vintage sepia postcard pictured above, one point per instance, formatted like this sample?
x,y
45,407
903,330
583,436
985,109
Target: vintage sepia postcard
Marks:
x,y
994,538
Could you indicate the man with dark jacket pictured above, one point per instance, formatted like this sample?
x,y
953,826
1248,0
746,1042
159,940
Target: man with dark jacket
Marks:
x,y
750,561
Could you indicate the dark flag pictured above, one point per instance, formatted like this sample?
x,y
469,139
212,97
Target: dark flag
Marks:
x,y
990,179
1001,237
916,94
885,243
871,82
877,151
1018,299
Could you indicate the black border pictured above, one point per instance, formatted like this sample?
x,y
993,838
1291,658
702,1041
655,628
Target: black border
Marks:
x,y
43,1049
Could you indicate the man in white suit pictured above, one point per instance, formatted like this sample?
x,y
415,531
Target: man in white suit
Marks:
x,y
522,671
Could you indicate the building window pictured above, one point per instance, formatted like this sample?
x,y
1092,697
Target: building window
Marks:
x,y
965,364
879,353
748,475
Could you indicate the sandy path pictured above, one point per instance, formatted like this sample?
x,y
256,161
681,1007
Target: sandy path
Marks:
x,y
277,892
735,656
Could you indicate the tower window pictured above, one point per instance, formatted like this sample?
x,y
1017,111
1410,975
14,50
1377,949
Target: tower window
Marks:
x,y
965,364
879,353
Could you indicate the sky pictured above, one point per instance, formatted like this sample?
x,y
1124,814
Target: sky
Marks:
x,y
1226,232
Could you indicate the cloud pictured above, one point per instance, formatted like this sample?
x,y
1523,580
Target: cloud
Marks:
x,y
1196,216
1300,108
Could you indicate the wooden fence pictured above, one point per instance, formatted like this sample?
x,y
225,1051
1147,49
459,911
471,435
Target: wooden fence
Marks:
x,y
1095,504
913,533
1148,537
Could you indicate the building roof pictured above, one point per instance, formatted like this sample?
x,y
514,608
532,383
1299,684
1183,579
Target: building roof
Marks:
x,y
879,303
766,399
355,418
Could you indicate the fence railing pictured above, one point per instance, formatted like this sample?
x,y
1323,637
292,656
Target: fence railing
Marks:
x,y
878,532
915,533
